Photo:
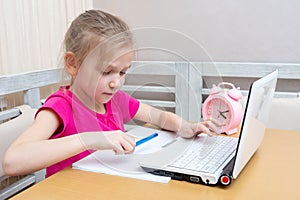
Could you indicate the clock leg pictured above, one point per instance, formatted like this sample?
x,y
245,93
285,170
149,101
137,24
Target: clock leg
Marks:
x,y
232,131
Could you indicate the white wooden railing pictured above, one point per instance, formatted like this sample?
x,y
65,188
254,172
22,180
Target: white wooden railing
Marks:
x,y
190,82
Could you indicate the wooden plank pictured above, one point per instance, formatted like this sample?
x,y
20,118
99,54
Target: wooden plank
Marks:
x,y
17,186
167,104
182,90
25,81
152,67
195,93
148,89
255,70
32,98
277,94
8,114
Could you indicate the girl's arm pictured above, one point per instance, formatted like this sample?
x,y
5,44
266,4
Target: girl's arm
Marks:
x,y
33,151
172,122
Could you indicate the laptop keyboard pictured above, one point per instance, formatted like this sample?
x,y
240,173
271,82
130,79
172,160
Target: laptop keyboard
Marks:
x,y
206,154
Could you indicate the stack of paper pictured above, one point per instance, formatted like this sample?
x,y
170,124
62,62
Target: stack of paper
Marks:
x,y
127,165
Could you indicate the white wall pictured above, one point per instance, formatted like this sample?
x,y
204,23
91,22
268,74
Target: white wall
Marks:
x,y
231,30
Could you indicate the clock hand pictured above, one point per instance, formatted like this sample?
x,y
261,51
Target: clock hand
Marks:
x,y
221,113
226,111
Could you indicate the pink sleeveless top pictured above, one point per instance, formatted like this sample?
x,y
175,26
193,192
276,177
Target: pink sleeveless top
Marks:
x,y
77,118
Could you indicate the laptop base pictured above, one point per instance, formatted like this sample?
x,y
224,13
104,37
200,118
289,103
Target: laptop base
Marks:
x,y
224,180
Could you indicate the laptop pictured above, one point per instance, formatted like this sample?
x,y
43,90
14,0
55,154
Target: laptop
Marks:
x,y
217,159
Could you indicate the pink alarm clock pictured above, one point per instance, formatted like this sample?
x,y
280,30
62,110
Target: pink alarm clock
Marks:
x,y
224,105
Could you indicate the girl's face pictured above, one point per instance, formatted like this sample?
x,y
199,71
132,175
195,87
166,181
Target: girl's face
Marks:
x,y
96,85
112,78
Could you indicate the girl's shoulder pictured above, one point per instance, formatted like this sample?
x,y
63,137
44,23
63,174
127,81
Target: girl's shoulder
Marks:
x,y
63,94
59,100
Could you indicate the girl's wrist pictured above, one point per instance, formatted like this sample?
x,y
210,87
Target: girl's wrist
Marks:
x,y
175,122
88,140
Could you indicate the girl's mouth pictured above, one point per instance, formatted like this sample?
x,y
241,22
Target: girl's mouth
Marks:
x,y
107,93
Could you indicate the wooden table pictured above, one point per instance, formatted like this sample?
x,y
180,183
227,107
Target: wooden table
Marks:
x,y
272,173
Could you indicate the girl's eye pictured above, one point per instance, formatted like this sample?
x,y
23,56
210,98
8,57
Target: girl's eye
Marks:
x,y
106,72
122,73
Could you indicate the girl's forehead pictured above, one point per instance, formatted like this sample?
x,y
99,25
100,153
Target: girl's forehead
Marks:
x,y
123,60
114,57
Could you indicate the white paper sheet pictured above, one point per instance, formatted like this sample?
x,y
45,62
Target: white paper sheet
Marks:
x,y
127,165
154,144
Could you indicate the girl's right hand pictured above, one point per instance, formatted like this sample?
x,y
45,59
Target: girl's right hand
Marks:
x,y
118,141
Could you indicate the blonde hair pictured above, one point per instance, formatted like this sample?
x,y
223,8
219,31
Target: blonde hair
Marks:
x,y
91,27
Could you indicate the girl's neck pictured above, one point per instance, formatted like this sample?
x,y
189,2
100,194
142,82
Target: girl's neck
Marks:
x,y
101,109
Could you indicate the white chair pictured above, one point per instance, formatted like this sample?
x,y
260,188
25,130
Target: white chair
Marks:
x,y
20,118
285,114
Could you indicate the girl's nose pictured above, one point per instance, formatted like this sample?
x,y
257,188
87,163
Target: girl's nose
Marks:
x,y
115,82
112,84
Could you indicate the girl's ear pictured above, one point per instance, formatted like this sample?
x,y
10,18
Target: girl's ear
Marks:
x,y
71,64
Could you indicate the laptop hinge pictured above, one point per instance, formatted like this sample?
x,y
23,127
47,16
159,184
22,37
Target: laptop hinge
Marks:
x,y
226,175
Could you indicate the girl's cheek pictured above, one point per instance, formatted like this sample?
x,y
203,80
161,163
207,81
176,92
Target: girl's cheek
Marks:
x,y
122,81
101,82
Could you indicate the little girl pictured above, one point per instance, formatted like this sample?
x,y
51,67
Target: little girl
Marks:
x,y
89,113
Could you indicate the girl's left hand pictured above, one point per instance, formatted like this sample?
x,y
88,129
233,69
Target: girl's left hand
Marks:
x,y
189,130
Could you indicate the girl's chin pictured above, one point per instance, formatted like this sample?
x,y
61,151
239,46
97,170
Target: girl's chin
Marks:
x,y
104,100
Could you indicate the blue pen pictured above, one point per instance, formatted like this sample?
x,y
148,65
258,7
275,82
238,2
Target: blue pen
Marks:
x,y
141,141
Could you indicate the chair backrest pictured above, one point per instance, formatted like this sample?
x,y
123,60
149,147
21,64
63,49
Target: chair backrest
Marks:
x,y
285,114
14,122
12,128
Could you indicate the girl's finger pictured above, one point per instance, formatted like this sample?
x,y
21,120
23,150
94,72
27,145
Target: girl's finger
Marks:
x,y
127,146
118,149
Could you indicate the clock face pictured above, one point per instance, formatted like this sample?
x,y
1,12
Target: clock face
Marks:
x,y
219,110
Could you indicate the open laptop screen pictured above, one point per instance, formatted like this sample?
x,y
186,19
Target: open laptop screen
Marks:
x,y
255,119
